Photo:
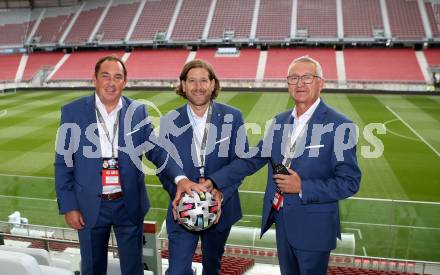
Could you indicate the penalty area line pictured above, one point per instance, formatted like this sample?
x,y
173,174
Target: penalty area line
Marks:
x,y
414,131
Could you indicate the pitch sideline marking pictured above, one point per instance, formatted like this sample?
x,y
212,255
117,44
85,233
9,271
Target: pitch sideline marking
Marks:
x,y
255,216
414,131
252,192
365,251
393,225
26,176
357,230
26,198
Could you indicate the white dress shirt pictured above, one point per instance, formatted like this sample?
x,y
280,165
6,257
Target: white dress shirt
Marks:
x,y
198,125
298,126
300,123
106,146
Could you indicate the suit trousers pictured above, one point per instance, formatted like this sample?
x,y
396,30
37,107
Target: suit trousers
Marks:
x,y
94,241
295,261
183,243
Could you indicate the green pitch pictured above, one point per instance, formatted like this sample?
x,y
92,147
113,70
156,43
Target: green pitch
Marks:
x,y
395,214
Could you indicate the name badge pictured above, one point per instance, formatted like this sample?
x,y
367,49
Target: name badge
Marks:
x,y
110,172
277,200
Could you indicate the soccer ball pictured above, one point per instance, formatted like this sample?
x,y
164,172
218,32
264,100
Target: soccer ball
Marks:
x,y
197,213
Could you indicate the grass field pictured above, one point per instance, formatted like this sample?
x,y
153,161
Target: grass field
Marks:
x,y
395,214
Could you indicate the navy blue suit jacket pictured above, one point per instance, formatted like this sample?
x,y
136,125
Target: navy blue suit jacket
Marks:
x,y
226,122
312,220
78,178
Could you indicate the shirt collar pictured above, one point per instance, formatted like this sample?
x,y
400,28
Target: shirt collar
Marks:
x,y
307,113
196,117
103,110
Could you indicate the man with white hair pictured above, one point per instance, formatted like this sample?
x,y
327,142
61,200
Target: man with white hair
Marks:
x,y
313,165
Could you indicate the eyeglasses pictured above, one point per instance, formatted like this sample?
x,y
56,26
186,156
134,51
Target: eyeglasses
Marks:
x,y
306,79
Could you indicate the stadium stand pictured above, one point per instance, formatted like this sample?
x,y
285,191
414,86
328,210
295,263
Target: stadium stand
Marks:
x,y
42,256
278,60
229,265
84,24
15,34
189,27
341,270
405,20
317,18
16,25
23,264
361,17
432,57
232,15
81,65
142,64
117,21
432,19
9,64
382,65
155,17
241,66
188,21
274,20
59,17
39,61
436,11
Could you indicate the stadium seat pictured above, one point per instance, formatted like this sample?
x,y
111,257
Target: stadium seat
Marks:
x,y
117,22
279,59
430,6
42,256
243,66
22,264
232,15
155,16
83,26
274,20
382,65
189,27
361,17
405,19
47,33
320,26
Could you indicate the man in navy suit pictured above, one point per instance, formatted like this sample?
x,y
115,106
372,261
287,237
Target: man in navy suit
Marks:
x,y
98,170
317,145
206,143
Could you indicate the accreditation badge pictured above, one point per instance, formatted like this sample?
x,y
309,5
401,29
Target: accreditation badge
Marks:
x,y
110,172
277,200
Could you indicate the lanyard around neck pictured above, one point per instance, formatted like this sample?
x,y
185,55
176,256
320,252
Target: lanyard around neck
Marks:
x,y
204,138
104,127
292,148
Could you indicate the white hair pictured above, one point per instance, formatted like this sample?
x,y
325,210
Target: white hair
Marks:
x,y
306,58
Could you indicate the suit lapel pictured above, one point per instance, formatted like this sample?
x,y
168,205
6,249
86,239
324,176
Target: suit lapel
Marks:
x,y
317,118
216,121
121,126
90,113
282,136
185,144
89,118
